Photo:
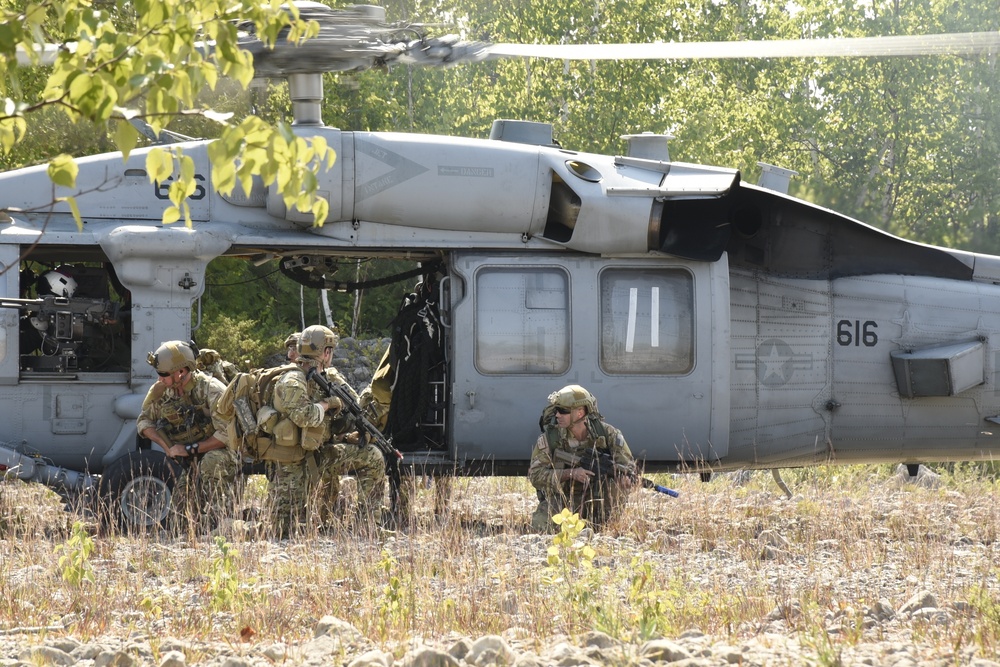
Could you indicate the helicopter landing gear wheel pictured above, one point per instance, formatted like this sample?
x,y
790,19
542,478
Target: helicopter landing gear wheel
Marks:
x,y
136,489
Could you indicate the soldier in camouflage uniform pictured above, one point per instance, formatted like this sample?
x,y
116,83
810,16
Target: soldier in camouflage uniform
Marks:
x,y
212,363
177,416
578,430
375,398
292,347
317,477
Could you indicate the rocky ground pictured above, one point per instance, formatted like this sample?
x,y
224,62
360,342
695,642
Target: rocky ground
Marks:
x,y
898,574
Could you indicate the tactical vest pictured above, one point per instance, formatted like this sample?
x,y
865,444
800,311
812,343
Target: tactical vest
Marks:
x,y
179,421
595,427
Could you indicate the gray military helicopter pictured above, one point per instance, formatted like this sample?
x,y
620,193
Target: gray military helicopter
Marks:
x,y
725,325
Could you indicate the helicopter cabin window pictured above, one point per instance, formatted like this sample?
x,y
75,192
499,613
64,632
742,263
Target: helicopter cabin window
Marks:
x,y
647,322
74,316
522,321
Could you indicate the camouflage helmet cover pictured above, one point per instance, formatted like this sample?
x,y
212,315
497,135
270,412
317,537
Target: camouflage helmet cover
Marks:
x,y
314,340
171,356
573,396
293,339
207,356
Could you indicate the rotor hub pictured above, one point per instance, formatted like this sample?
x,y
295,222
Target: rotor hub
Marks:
x,y
354,39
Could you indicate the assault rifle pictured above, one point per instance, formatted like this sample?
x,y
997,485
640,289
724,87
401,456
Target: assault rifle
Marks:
x,y
368,431
602,464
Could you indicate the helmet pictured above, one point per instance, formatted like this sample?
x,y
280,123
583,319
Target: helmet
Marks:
x,y
58,283
314,341
293,339
573,396
207,357
171,356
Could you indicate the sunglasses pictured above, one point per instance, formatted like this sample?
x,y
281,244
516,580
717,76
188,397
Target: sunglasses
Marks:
x,y
163,375
564,411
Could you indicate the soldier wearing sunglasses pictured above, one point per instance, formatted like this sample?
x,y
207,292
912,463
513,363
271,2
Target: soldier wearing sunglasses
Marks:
x,y
177,416
580,462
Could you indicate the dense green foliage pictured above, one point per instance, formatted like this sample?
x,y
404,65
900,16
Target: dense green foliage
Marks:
x,y
906,144
247,311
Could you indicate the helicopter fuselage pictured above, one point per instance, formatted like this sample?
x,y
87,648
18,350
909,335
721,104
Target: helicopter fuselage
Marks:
x,y
720,325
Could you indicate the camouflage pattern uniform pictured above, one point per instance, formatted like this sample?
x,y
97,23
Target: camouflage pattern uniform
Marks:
x,y
205,487
597,503
317,477
341,458
376,411
212,363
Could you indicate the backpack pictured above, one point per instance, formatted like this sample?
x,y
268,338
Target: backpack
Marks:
x,y
245,413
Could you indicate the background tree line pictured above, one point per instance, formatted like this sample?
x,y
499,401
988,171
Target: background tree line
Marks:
x,y
909,145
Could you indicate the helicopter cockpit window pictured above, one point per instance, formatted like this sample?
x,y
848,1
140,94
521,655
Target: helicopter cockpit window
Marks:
x,y
647,322
522,321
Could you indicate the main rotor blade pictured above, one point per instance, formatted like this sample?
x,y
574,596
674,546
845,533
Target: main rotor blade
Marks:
x,y
956,43
45,54
336,52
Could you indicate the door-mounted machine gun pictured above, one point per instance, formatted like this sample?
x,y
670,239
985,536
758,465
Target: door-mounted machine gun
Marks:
x,y
54,327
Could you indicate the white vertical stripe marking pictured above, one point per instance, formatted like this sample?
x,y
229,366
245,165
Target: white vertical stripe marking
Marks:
x,y
633,304
654,318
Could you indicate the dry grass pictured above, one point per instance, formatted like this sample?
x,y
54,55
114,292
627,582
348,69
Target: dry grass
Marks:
x,y
721,558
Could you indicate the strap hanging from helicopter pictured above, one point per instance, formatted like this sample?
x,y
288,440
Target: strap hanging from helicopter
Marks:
x,y
302,271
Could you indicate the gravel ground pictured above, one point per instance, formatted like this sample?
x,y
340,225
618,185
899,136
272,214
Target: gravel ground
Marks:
x,y
857,568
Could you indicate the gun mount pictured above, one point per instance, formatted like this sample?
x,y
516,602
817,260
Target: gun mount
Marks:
x,y
55,330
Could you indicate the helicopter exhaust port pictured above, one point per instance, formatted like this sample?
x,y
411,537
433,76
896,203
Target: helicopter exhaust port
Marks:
x,y
639,204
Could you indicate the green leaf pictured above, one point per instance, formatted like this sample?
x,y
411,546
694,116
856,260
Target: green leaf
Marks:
x,y
126,137
63,170
159,165
224,177
187,168
12,130
75,210
171,214
320,211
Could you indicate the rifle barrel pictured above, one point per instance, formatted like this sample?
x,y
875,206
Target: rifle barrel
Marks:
x,y
650,484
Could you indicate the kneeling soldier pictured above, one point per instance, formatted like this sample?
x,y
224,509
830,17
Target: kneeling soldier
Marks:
x,y
305,403
575,433
177,416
